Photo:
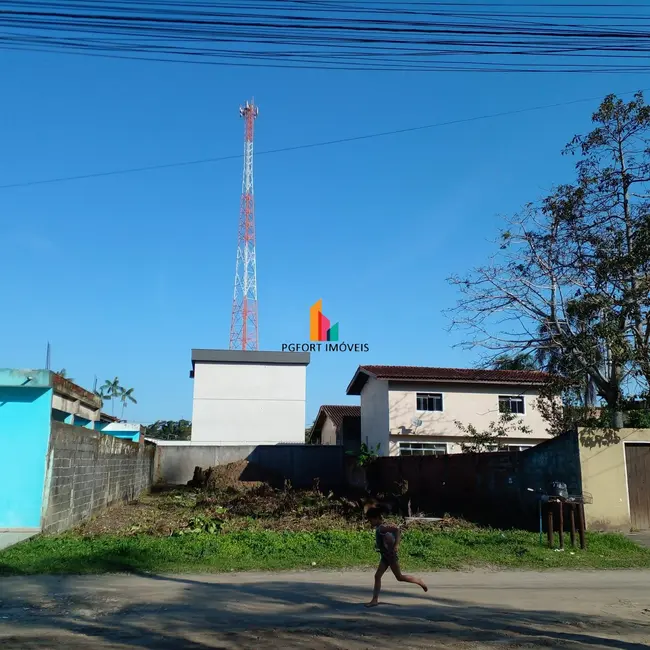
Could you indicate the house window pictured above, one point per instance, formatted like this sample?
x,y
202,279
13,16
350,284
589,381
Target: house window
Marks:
x,y
422,449
518,447
510,404
428,401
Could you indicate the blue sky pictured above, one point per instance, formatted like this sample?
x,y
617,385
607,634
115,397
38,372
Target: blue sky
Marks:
x,y
125,274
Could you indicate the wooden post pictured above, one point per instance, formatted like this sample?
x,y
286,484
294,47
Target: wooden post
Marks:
x,y
572,517
581,525
549,523
560,507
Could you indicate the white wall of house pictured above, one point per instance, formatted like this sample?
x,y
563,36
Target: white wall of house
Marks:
x,y
375,415
446,444
328,432
389,409
244,403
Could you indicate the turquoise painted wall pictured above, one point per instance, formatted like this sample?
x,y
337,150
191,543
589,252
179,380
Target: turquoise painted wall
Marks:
x,y
24,439
125,435
62,416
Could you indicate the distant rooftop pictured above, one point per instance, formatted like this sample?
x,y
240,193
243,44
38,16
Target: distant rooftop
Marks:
x,y
39,378
451,375
336,412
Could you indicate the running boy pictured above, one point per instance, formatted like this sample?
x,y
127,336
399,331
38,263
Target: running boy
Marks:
x,y
387,540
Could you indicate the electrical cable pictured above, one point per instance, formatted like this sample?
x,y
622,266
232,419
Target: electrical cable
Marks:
x,y
312,145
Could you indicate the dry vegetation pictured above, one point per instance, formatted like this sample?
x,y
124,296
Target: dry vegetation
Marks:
x,y
224,499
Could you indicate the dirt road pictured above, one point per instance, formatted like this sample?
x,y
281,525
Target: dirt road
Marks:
x,y
325,610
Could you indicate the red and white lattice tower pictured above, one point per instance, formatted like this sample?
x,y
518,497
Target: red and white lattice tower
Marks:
x,y
243,326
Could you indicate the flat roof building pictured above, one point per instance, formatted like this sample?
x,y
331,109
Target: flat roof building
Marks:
x,y
246,397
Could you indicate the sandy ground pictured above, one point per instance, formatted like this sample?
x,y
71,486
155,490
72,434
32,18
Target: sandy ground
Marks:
x,y
578,610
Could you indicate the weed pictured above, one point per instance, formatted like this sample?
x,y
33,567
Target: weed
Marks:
x,y
243,550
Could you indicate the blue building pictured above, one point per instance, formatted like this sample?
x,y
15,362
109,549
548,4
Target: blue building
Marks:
x,y
30,400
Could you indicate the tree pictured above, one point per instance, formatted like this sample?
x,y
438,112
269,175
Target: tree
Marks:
x,y
169,430
491,438
126,396
516,362
570,283
111,390
64,373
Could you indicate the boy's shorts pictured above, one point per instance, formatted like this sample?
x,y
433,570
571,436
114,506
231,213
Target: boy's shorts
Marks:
x,y
389,557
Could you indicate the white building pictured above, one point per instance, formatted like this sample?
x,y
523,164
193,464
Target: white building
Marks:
x,y
411,410
248,397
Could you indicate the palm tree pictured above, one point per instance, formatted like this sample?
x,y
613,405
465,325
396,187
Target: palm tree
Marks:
x,y
64,373
111,390
126,396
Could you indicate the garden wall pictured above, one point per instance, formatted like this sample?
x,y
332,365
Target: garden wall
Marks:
x,y
88,471
300,464
490,488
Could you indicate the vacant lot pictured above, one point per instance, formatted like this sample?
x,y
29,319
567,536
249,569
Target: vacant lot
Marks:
x,y
230,525
313,610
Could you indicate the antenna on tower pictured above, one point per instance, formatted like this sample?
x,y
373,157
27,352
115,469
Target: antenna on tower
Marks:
x,y
243,324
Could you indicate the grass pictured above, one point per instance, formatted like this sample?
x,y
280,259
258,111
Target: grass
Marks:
x,y
263,550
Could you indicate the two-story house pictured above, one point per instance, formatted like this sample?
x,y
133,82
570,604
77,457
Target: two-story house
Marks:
x,y
410,410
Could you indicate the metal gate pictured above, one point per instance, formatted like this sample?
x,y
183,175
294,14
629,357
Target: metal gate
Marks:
x,y
637,457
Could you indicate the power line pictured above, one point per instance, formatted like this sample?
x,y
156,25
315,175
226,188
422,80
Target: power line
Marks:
x,y
311,145
347,35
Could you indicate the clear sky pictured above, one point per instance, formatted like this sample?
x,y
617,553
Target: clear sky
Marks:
x,y
125,274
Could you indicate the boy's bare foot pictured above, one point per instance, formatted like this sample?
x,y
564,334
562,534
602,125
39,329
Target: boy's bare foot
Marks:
x,y
372,603
424,587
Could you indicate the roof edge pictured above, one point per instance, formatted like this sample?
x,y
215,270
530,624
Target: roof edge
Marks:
x,y
486,382
358,382
250,357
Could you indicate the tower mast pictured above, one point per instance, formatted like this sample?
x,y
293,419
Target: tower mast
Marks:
x,y
243,324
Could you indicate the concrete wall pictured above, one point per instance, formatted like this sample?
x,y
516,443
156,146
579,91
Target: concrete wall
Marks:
x,y
374,415
24,431
248,404
300,464
604,476
470,404
87,471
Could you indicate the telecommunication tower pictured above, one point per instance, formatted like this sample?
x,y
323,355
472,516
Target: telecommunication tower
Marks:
x,y
243,325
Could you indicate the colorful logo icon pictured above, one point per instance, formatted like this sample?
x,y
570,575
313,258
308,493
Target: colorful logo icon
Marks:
x,y
319,325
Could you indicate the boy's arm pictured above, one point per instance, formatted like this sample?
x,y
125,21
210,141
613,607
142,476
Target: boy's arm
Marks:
x,y
394,530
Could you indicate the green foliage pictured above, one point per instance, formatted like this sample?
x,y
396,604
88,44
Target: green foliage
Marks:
x,y
64,373
477,441
421,549
112,390
169,430
638,419
515,362
126,396
366,454
570,282
202,524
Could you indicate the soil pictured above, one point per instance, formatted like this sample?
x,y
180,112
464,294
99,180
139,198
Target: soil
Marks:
x,y
238,475
318,611
242,496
